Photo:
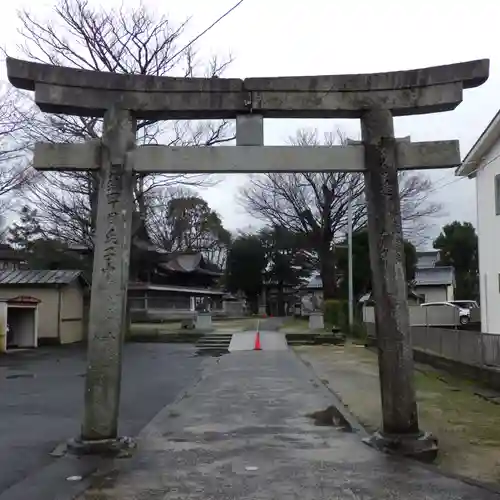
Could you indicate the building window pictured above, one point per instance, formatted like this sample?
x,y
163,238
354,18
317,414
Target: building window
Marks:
x,y
497,194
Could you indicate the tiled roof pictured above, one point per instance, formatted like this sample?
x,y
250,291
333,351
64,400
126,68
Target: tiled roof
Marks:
x,y
188,263
315,283
34,277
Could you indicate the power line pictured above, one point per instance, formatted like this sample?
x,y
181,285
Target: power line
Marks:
x,y
442,180
462,178
197,37
433,190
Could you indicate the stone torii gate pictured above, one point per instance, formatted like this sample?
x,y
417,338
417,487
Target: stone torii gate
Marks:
x,y
373,98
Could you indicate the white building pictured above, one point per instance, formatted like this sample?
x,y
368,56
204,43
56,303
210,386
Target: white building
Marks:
x,y
433,283
483,163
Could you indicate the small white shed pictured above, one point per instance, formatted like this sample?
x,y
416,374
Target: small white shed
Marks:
x,y
61,309
18,322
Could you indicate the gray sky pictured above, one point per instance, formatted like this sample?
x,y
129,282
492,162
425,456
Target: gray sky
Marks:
x,y
291,37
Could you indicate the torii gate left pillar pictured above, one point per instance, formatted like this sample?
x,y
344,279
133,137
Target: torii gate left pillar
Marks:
x,y
373,98
108,300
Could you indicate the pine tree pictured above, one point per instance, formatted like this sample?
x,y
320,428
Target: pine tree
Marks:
x,y
24,233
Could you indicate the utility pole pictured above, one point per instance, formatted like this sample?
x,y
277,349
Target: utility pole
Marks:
x,y
349,251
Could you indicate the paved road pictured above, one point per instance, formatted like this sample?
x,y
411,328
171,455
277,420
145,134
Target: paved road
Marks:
x,y
244,433
42,397
271,324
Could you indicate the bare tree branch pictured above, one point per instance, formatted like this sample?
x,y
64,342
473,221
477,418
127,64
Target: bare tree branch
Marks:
x,y
16,173
123,40
316,204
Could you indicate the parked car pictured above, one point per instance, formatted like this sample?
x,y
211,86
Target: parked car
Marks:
x,y
463,312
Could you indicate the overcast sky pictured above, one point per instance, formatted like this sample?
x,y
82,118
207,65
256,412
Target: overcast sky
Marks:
x,y
292,37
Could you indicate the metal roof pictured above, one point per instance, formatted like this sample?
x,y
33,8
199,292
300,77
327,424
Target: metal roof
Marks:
x,y
443,275
34,277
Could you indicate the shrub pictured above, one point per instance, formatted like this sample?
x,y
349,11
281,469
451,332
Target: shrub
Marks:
x,y
336,313
358,330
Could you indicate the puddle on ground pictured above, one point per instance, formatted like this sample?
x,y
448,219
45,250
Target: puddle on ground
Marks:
x,y
20,375
331,417
211,352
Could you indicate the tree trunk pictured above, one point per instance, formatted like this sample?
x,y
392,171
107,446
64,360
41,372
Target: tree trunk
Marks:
x,y
281,300
328,274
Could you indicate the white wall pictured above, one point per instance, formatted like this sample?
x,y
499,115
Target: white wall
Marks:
x,y
72,317
433,293
47,309
489,236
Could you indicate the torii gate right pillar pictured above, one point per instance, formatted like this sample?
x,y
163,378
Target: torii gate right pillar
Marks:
x,y
395,354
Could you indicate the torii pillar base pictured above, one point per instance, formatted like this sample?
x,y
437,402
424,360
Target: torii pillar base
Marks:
x,y
422,446
119,447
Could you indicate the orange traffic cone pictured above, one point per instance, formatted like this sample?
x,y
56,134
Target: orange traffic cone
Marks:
x,y
257,343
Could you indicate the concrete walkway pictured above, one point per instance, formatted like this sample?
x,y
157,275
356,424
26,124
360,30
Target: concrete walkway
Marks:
x,y
242,433
269,341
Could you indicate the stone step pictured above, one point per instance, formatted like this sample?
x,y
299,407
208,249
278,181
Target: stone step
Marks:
x,y
217,336
212,336
212,346
214,342
301,342
214,339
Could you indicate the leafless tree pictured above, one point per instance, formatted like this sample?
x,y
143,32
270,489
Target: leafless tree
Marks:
x,y
123,40
316,204
15,171
179,221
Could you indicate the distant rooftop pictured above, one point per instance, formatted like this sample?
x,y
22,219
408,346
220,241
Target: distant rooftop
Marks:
x,y
315,283
42,277
427,258
9,253
434,276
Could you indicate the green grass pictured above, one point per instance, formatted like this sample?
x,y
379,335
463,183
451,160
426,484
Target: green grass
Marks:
x,y
155,327
466,425
236,324
454,403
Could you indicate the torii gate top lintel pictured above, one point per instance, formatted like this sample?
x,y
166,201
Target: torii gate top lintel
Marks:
x,y
89,93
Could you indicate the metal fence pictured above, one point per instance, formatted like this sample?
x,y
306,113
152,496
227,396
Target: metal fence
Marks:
x,y
465,346
429,316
